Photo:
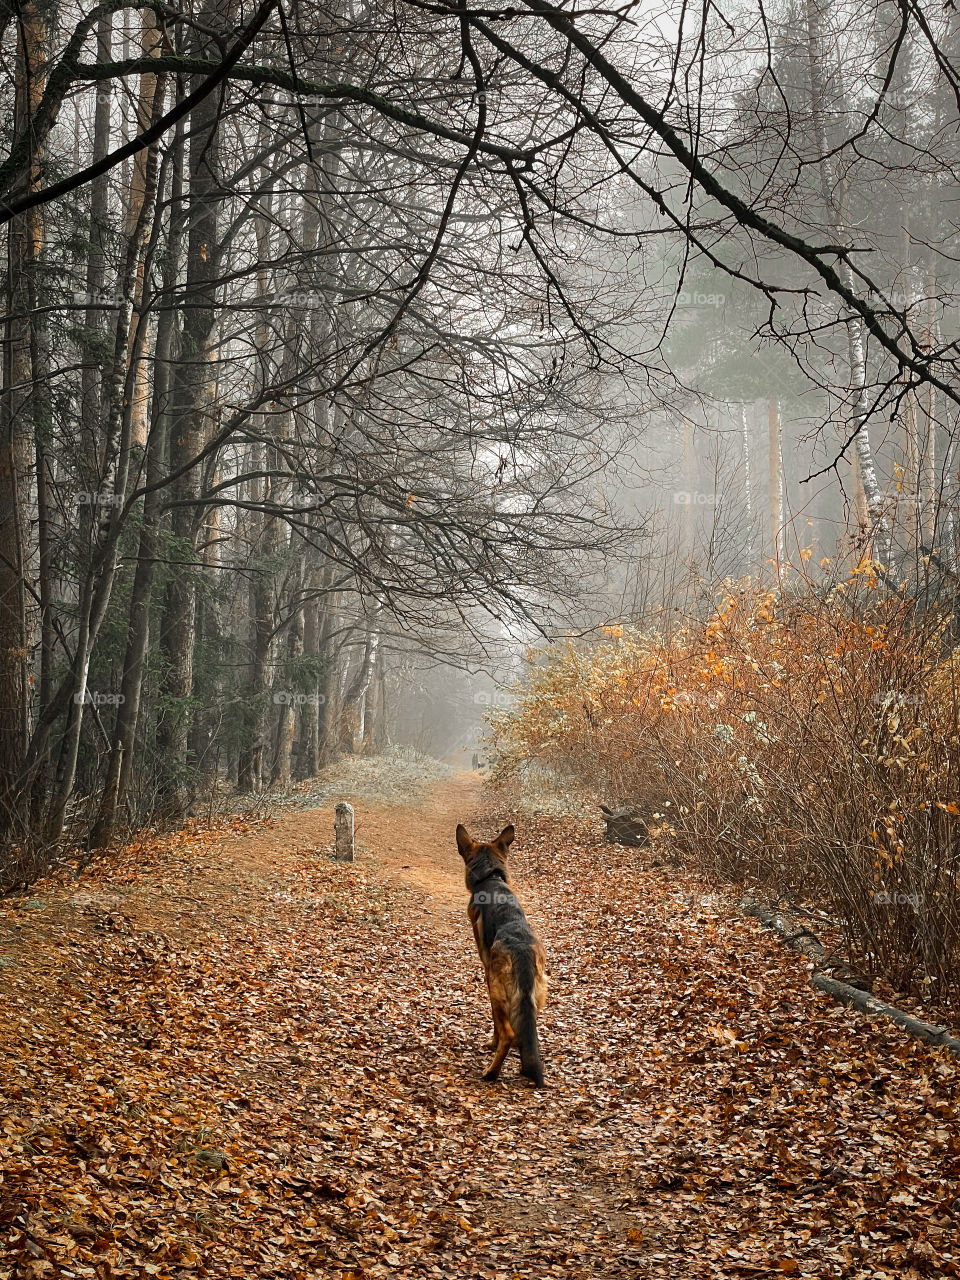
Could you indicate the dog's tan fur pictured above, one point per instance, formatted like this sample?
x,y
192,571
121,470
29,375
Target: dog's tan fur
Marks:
x,y
513,959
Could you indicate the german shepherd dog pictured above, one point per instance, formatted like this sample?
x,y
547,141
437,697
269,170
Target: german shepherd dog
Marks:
x,y
513,958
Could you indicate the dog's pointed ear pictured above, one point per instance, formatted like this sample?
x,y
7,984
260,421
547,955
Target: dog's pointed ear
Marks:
x,y
464,843
506,837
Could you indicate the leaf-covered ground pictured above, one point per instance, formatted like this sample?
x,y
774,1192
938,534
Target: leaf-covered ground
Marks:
x,y
225,1055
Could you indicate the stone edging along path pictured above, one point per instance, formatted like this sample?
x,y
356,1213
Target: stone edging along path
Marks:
x,y
801,939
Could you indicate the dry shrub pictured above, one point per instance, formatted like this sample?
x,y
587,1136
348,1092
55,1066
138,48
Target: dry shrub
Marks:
x,y
808,745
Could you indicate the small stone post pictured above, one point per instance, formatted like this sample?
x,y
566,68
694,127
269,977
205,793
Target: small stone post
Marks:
x,y
343,833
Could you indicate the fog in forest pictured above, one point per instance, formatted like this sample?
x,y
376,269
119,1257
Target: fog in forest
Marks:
x,y
479,550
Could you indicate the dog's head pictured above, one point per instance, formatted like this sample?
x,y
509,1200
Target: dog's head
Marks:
x,y
483,860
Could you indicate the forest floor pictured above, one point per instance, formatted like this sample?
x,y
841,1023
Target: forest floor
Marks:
x,y
224,1054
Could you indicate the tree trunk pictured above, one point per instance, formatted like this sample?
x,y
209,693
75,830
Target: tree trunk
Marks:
x,y
263,610
817,60
328,694
351,730
121,758
747,485
689,481
118,409
307,751
375,722
775,485
97,305
193,395
18,433
286,724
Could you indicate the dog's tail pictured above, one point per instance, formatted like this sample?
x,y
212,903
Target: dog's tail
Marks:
x,y
531,1064
525,1020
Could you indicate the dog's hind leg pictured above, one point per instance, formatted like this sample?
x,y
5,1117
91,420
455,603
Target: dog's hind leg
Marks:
x,y
503,1048
504,1041
495,1037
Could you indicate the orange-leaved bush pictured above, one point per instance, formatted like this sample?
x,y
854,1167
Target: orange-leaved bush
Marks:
x,y
809,744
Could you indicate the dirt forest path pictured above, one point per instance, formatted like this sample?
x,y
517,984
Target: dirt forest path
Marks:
x,y
225,1055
